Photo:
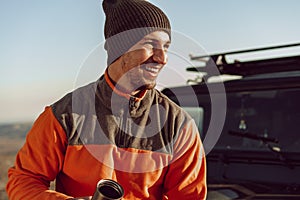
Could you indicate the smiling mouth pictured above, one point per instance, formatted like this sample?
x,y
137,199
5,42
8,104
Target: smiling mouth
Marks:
x,y
152,69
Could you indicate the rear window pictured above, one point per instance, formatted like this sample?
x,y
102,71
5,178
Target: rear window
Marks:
x,y
256,119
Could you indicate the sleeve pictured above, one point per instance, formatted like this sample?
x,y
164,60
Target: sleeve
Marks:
x,y
39,161
186,177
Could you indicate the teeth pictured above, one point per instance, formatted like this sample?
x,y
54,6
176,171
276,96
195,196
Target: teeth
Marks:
x,y
155,70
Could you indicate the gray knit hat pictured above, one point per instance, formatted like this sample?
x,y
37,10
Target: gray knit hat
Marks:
x,y
127,22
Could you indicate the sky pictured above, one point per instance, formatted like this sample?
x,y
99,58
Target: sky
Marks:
x,y
50,47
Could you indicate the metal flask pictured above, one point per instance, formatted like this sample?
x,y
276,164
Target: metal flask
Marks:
x,y
108,190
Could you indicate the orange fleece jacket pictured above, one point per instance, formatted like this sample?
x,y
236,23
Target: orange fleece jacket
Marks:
x,y
49,154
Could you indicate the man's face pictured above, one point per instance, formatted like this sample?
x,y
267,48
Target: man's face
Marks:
x,y
143,62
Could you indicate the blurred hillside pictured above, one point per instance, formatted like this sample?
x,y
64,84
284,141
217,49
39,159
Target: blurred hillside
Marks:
x,y
15,129
12,137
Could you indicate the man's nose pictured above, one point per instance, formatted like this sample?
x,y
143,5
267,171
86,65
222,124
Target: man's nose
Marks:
x,y
160,56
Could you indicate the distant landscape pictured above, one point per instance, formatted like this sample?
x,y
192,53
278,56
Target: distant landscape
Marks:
x,y
12,137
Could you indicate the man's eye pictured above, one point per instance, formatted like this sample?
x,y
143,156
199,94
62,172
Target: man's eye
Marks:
x,y
148,44
151,44
166,47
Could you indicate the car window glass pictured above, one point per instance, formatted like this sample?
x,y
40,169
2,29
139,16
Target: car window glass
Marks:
x,y
272,114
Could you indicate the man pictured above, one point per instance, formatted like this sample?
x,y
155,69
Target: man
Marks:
x,y
118,127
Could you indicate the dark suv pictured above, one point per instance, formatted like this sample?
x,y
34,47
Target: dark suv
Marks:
x,y
256,154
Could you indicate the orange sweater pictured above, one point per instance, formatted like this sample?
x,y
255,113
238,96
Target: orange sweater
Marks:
x,y
64,145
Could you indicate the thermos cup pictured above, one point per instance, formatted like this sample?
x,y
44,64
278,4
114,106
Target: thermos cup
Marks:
x,y
108,190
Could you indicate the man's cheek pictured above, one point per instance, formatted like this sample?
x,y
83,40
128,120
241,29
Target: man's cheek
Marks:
x,y
136,58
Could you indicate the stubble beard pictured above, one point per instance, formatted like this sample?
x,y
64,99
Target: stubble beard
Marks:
x,y
139,82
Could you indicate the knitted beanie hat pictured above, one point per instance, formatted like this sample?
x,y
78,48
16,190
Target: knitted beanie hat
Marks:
x,y
127,22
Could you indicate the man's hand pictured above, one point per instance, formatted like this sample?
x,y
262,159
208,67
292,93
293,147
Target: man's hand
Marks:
x,y
82,198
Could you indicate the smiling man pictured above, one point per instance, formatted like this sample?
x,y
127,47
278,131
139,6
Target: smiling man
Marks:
x,y
118,127
138,69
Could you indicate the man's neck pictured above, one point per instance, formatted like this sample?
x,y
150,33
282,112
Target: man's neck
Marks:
x,y
115,85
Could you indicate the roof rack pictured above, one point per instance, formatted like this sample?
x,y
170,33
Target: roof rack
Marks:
x,y
246,68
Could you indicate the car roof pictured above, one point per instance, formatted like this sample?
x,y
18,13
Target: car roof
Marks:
x,y
271,66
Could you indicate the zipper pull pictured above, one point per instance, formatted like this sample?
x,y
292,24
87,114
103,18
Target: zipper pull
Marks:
x,y
132,102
